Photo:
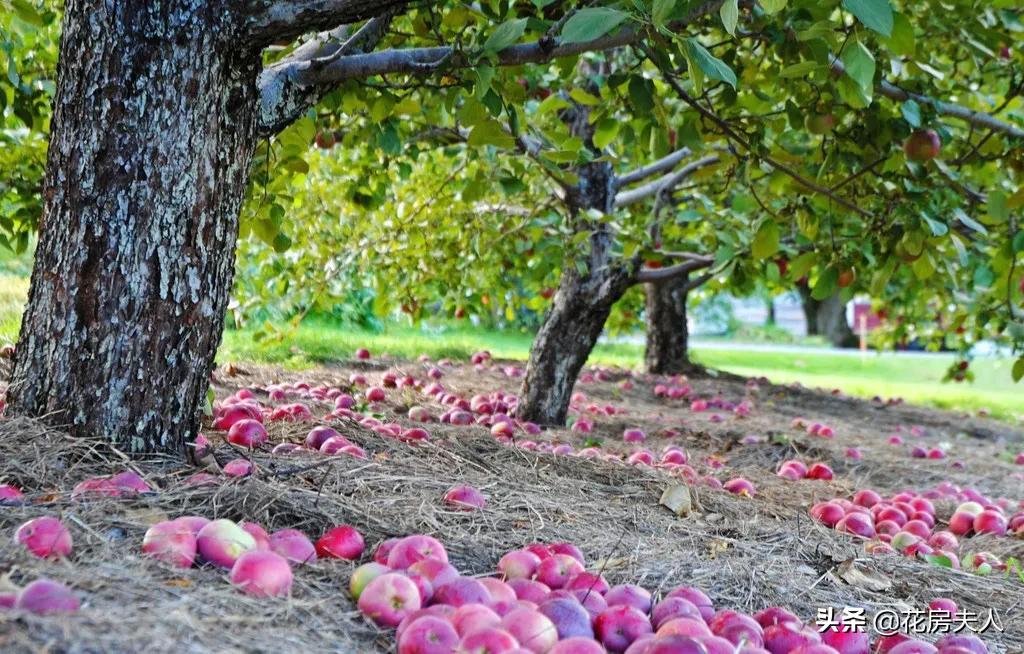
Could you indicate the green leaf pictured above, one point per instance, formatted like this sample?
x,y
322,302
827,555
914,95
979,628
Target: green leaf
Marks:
x,y
640,95
875,14
766,240
27,12
940,560
799,70
962,216
553,102
901,42
730,13
490,132
773,6
1018,369
505,35
591,23
581,96
911,113
607,130
798,267
826,284
938,227
709,64
1018,242
661,11
856,86
997,209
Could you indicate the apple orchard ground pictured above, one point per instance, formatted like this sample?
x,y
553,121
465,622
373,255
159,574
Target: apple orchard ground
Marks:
x,y
747,553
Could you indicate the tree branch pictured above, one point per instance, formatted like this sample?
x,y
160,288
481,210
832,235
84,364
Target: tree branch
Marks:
x,y
284,97
647,275
267,21
960,112
663,183
284,83
667,162
697,282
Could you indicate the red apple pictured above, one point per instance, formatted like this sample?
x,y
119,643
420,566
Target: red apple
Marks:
x,y
618,626
556,570
922,145
415,548
342,542
45,537
247,433
488,641
697,597
293,545
221,542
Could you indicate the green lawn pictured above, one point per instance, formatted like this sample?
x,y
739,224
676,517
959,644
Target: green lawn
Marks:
x,y
916,379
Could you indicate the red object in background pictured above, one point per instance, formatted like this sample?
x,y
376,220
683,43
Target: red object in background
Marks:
x,y
874,320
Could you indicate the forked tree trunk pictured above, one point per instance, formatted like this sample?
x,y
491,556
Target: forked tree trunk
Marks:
x,y
151,141
579,309
666,351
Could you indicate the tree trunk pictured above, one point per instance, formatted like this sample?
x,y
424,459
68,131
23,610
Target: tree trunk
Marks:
x,y
581,304
151,141
667,332
832,322
810,307
770,306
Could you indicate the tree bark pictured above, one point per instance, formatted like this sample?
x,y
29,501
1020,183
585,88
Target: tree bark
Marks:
x,y
827,318
667,333
152,136
832,322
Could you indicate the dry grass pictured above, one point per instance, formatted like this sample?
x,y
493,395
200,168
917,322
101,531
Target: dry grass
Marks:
x,y
746,553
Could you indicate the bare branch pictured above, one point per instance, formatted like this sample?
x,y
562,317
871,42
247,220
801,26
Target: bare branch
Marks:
x,y
647,275
663,183
273,20
667,162
688,256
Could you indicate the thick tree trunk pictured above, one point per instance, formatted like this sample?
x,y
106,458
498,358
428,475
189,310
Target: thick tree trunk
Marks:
x,y
581,304
827,318
832,322
570,331
810,307
151,141
667,333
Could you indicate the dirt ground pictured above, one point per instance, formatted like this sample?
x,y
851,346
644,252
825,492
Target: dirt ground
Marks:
x,y
746,553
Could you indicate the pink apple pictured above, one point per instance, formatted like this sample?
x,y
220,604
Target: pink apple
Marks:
x,y
341,542
684,627
465,498
488,641
828,513
629,595
45,537
437,572
990,521
557,569
375,394
238,468
518,564
784,637
262,574
577,645
171,541
618,626
10,494
317,436
428,635
389,598
740,486
634,435
850,641
913,647
866,498
570,618
46,597
470,618
415,548
461,591
530,590
293,545
857,524
737,628
258,533
671,608
775,615
362,353
221,542
363,575
531,628
697,597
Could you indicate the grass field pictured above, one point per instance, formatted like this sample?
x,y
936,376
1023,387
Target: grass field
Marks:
x,y
915,378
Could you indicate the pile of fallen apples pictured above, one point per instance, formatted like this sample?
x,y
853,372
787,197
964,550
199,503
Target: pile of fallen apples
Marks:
x,y
543,600
906,523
